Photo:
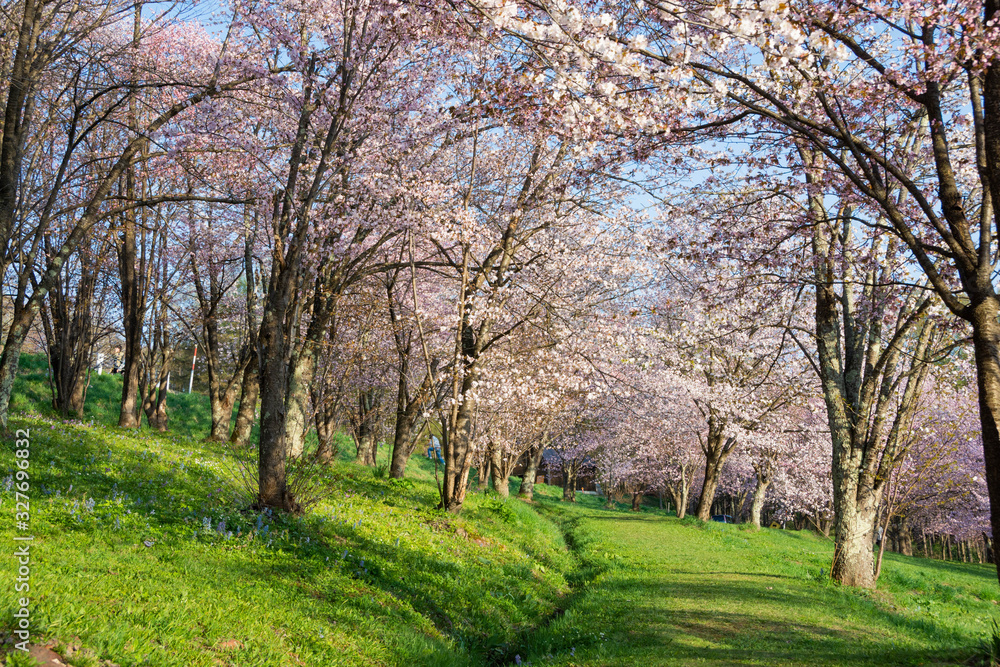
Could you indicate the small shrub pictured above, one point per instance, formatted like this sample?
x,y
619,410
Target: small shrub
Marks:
x,y
20,659
498,507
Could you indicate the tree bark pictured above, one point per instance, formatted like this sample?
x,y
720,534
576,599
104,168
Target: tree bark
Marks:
x,y
681,490
303,372
325,431
132,288
527,490
484,476
246,414
904,536
499,473
986,344
854,558
759,494
365,428
133,310
636,501
717,448
569,481
406,433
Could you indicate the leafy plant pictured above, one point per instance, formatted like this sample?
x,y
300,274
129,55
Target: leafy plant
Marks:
x,y
990,647
499,508
20,659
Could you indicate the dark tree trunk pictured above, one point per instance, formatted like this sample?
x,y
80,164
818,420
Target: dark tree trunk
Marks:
x,y
717,448
456,442
986,344
325,431
406,432
246,415
904,537
484,476
569,481
325,418
154,393
366,427
273,490
133,310
68,325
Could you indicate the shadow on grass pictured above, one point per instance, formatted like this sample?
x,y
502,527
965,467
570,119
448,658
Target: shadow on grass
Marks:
x,y
156,478
685,622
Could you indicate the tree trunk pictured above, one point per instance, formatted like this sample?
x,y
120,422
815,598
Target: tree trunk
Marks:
x,y
636,501
272,481
717,449
222,413
681,491
759,494
303,372
499,473
365,434
154,403
457,440
69,334
246,415
854,558
406,434
483,474
986,343
527,490
569,482
905,537
324,437
133,311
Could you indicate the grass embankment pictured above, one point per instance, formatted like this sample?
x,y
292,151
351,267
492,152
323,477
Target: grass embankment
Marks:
x,y
142,555
669,592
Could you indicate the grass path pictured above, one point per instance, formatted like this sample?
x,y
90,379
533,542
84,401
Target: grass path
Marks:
x,y
669,592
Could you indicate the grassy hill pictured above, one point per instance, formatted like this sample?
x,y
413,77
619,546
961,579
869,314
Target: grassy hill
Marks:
x,y
144,555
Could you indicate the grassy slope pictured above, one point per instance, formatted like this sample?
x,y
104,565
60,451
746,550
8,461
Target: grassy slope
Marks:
x,y
372,576
669,592
375,576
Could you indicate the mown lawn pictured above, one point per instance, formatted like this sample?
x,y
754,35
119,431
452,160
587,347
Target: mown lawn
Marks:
x,y
669,592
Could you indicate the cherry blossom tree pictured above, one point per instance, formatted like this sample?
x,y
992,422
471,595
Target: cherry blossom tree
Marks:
x,y
93,40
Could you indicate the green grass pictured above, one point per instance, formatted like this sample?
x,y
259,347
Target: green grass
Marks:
x,y
189,414
374,575
668,592
371,576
